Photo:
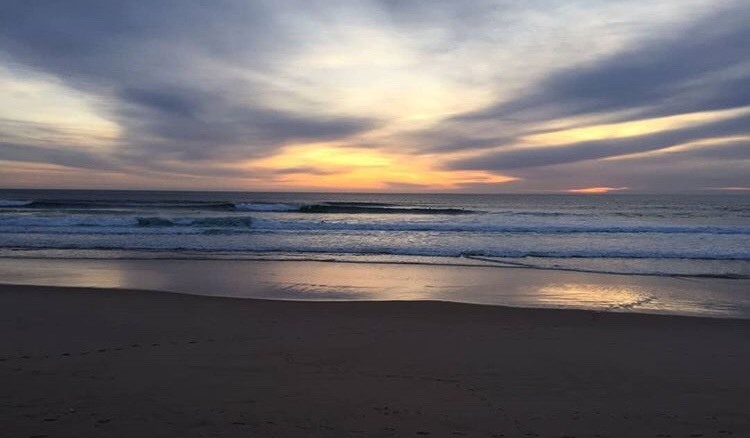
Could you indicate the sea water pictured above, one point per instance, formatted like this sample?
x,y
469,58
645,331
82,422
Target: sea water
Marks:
x,y
679,235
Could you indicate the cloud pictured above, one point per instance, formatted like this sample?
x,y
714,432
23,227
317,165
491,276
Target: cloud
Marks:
x,y
179,78
306,170
257,91
682,170
699,68
590,150
204,125
731,189
58,155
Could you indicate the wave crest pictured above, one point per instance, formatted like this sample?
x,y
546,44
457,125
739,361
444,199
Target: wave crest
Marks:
x,y
14,203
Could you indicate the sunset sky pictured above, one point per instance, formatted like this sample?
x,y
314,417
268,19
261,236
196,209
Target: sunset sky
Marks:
x,y
391,95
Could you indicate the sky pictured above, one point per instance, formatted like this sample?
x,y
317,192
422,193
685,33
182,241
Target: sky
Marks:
x,y
480,96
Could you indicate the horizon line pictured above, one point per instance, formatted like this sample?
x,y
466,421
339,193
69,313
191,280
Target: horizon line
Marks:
x,y
565,192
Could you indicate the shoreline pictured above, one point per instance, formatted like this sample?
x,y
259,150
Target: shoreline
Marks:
x,y
91,362
479,261
593,313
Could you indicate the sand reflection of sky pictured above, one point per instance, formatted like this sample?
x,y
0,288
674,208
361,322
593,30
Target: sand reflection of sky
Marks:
x,y
73,273
611,297
335,281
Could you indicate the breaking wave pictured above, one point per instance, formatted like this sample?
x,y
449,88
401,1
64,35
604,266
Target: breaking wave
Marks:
x,y
14,203
123,222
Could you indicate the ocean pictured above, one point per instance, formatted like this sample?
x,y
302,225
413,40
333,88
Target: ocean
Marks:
x,y
675,235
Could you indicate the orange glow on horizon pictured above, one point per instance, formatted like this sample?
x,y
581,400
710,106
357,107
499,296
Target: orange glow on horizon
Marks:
x,y
596,190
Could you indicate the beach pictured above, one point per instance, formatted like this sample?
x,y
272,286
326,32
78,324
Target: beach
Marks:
x,y
379,218
80,362
191,314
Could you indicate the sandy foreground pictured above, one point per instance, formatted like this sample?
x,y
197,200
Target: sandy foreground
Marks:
x,y
118,363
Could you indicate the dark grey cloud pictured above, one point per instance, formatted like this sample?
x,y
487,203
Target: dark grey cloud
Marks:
x,y
453,137
163,71
58,154
89,41
78,157
195,124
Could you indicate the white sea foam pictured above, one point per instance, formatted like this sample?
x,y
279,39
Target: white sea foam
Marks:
x,y
206,244
446,226
484,227
67,221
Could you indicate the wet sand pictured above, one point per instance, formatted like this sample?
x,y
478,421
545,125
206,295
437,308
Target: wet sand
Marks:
x,y
90,363
329,281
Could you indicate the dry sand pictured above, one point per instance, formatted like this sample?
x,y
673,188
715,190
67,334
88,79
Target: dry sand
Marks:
x,y
114,363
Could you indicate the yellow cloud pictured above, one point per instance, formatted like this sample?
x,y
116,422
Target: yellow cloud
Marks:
x,y
731,188
629,129
29,106
709,142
